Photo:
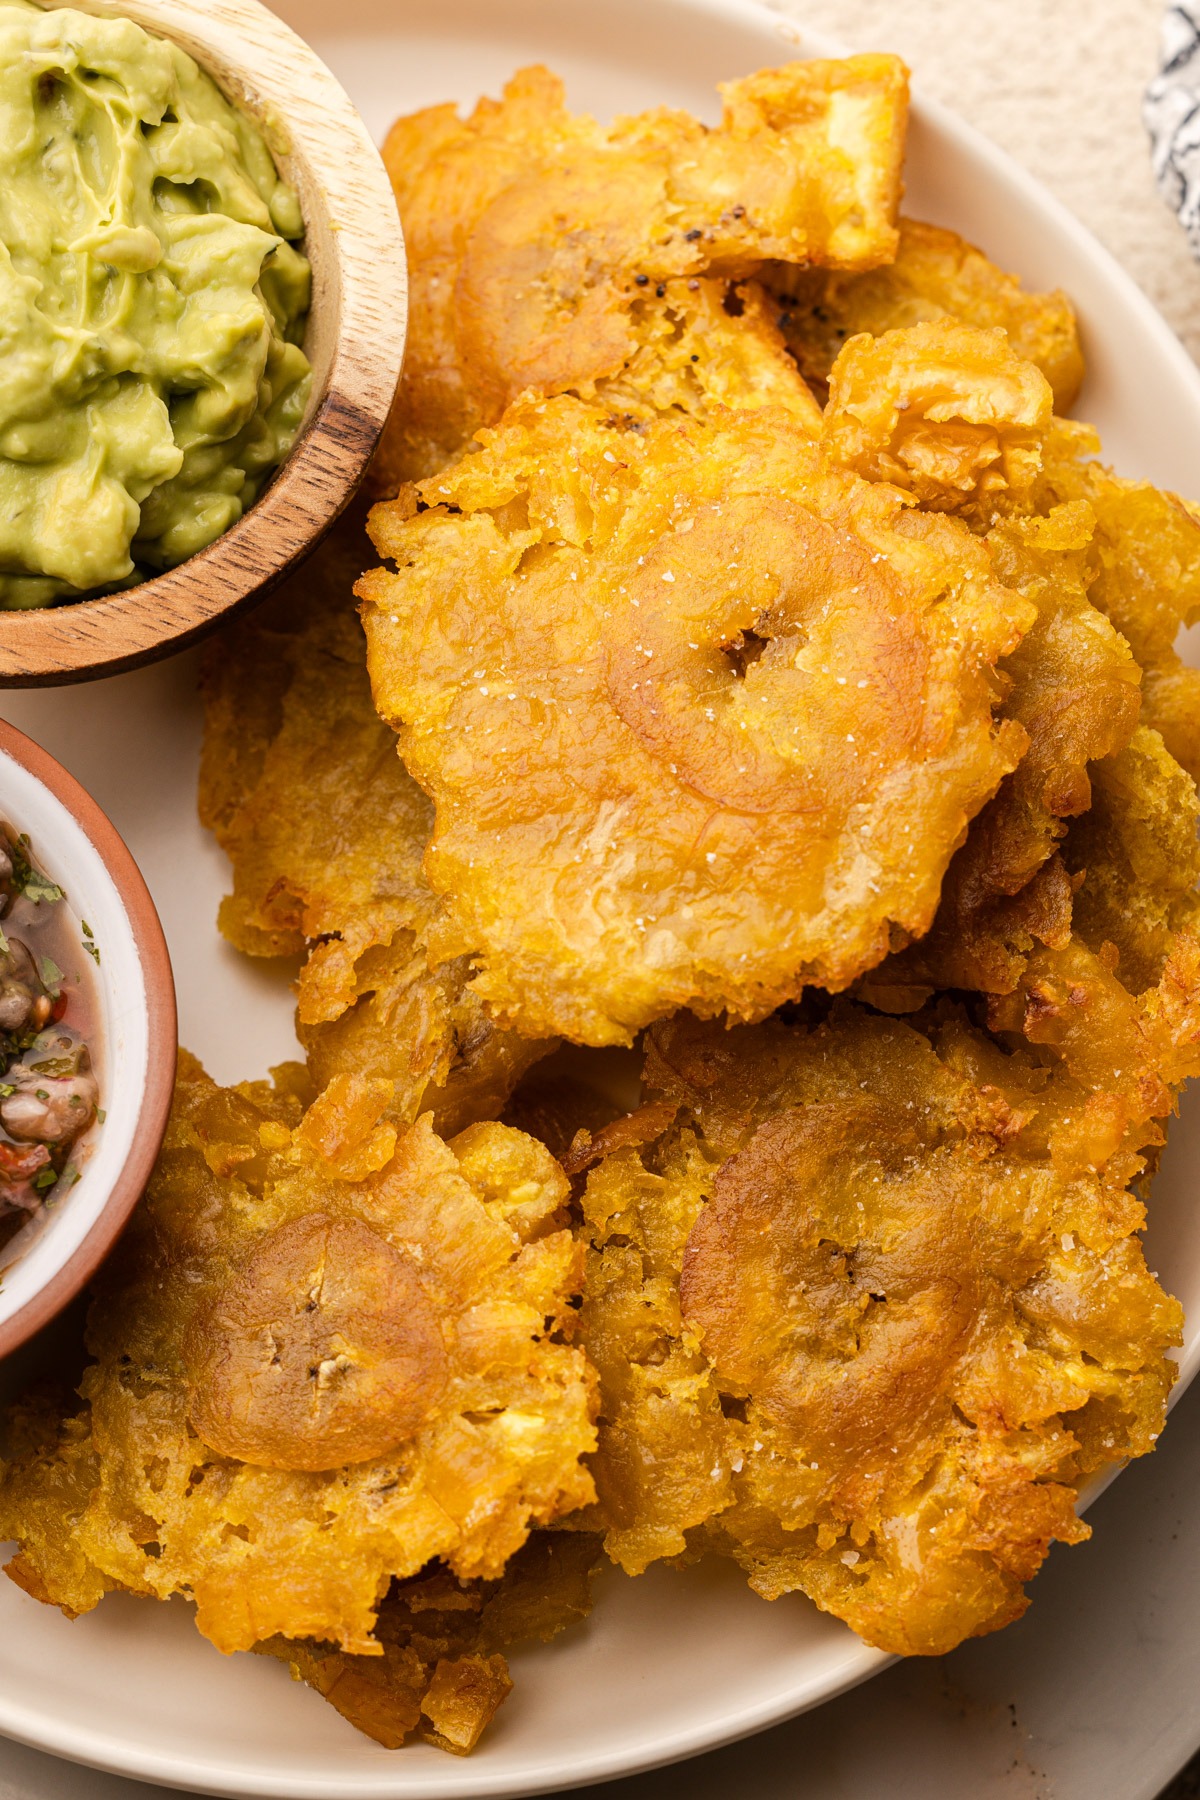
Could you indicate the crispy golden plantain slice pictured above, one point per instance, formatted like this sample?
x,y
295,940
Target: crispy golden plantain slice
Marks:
x,y
873,1307
539,241
700,345
303,1385
1076,688
1125,881
935,275
325,832
702,719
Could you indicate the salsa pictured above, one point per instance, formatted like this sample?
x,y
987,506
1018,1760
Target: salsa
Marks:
x,y
153,306
49,1092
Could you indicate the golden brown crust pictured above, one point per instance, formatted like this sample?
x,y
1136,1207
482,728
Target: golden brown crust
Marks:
x,y
325,832
946,412
535,237
936,275
442,1674
1076,693
321,1350
1144,575
1135,859
128,1492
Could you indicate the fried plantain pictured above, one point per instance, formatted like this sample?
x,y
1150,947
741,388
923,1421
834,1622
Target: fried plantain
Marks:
x,y
1144,570
936,275
538,240
1076,693
1134,859
734,763
300,783
304,1385
944,411
873,1307
443,1674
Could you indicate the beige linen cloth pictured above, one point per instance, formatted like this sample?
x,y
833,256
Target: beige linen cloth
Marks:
x,y
1059,84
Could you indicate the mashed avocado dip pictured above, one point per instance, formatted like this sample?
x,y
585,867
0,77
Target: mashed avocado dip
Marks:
x,y
151,307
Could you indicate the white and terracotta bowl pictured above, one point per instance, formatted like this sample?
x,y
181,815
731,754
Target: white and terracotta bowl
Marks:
x,y
79,849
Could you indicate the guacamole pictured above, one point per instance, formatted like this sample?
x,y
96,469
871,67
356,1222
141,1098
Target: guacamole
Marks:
x,y
151,307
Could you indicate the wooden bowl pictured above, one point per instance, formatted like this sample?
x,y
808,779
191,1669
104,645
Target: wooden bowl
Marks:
x,y
354,340
78,847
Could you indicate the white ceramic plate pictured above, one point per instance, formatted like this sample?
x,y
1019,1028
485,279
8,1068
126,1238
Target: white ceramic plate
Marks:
x,y
670,1664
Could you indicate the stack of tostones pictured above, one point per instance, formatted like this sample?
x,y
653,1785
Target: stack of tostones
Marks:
x,y
871,1307
773,673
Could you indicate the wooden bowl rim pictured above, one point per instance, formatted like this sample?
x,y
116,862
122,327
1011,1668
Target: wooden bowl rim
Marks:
x,y
322,145
161,1040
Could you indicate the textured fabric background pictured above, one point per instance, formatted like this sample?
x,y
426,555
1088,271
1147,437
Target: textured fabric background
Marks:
x,y
1059,84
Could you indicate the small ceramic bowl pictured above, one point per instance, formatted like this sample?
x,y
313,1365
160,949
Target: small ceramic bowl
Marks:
x,y
354,341
80,850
